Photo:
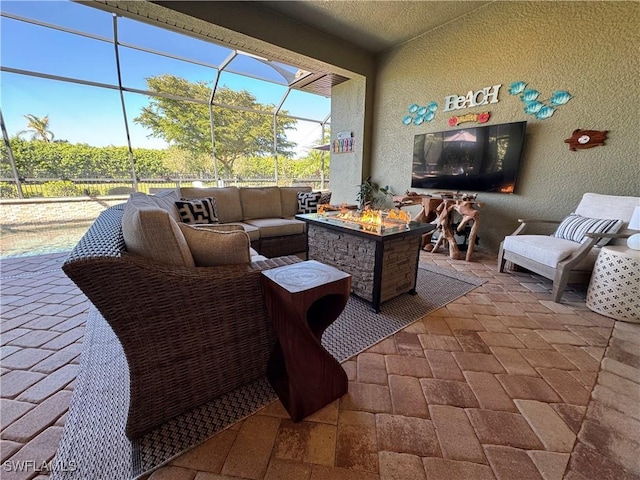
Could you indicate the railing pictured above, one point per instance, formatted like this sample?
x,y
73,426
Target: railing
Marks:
x,y
77,187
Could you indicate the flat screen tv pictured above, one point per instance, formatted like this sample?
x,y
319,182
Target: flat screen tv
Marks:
x,y
481,159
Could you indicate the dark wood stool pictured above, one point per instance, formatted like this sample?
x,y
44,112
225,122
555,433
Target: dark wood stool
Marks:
x,y
303,299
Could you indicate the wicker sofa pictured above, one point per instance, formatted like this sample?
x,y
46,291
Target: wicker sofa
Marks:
x,y
265,213
189,333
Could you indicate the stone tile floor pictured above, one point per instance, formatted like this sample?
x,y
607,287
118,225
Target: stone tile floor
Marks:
x,y
501,383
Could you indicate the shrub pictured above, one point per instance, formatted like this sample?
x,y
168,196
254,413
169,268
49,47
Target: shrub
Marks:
x,y
8,190
62,188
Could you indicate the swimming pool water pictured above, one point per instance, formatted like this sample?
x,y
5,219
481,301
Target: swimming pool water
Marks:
x,y
28,240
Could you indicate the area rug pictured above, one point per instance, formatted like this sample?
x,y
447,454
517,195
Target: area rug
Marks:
x,y
93,443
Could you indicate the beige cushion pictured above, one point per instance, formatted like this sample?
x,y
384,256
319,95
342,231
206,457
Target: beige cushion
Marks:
x,y
276,227
252,231
263,202
151,232
215,247
166,201
227,227
228,206
289,199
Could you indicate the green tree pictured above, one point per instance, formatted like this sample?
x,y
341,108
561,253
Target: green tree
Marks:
x,y
254,167
38,128
186,124
315,160
178,160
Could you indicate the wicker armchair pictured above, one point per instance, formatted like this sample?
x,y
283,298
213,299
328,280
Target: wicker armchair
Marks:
x,y
189,334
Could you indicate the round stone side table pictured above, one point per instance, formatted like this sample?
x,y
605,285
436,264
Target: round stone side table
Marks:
x,y
614,289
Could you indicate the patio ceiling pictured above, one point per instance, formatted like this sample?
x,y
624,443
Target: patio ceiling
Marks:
x,y
369,25
372,25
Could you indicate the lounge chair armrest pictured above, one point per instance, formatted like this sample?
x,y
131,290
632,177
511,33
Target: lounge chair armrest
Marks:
x,y
607,235
536,220
581,252
525,222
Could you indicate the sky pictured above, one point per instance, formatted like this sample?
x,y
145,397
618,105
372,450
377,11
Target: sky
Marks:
x,y
87,114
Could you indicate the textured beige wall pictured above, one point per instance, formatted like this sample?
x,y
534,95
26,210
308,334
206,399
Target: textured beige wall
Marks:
x,y
587,48
347,115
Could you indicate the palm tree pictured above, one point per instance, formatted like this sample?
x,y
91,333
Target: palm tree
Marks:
x,y
38,128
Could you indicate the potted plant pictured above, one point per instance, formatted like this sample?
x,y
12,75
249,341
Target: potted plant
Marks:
x,y
371,195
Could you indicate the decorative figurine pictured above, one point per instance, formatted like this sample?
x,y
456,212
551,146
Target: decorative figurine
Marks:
x,y
581,139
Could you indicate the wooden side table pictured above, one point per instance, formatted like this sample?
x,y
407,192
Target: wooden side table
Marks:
x,y
441,211
303,299
614,289
468,212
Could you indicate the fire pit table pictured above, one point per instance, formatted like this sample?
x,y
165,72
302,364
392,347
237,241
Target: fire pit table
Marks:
x,y
380,250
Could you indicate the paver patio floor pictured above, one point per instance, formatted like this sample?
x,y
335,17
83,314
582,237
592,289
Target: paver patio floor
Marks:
x,y
501,383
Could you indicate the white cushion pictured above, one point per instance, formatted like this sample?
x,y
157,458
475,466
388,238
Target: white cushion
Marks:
x,y
541,248
595,205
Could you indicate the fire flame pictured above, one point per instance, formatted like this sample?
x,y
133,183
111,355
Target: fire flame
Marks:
x,y
377,218
366,217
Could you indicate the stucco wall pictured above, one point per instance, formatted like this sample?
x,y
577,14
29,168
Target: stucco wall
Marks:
x,y
347,115
587,48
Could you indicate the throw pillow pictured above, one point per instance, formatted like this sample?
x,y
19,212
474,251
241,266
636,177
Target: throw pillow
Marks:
x,y
151,232
308,202
575,226
210,248
201,210
325,198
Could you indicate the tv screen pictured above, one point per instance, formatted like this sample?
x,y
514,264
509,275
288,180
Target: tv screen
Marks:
x,y
483,159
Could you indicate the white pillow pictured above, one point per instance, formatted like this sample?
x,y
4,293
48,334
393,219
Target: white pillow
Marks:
x,y
575,226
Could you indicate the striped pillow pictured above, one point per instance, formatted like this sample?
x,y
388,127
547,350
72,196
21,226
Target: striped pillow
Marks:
x,y
575,226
